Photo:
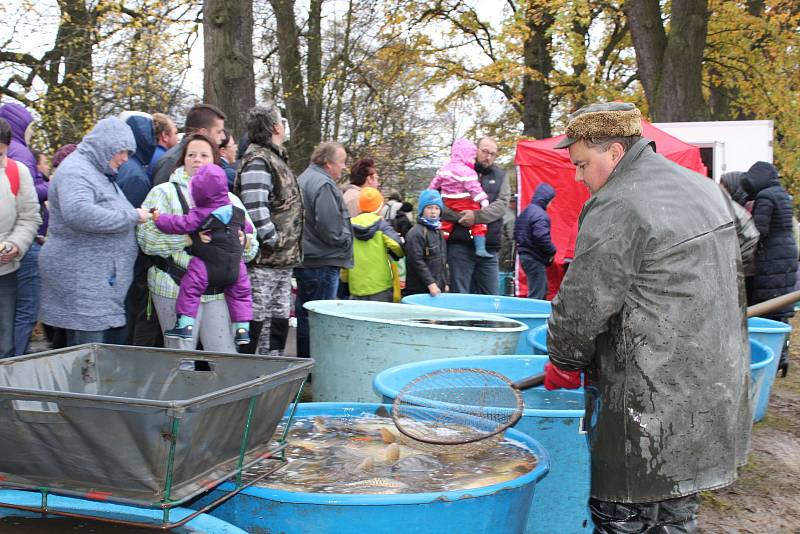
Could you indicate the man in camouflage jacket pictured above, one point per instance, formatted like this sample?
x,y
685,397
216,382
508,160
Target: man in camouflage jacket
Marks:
x,y
269,191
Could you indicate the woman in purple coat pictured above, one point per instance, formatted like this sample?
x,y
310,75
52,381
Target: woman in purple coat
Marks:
x,y
214,225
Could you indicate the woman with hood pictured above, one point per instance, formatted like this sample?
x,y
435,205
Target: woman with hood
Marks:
x,y
86,264
776,256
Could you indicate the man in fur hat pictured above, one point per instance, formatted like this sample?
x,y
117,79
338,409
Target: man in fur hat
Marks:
x,y
650,313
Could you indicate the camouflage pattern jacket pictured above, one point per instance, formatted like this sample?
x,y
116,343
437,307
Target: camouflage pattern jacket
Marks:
x,y
269,191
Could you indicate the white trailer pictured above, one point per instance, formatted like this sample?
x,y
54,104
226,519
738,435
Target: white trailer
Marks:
x,y
725,145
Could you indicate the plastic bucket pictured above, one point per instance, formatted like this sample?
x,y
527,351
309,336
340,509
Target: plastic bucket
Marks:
x,y
772,334
352,340
497,508
203,523
532,312
554,418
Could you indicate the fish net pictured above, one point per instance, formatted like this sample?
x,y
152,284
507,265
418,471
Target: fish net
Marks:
x,y
457,406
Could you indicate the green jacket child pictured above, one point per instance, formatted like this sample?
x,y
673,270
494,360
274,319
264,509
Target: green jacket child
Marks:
x,y
371,278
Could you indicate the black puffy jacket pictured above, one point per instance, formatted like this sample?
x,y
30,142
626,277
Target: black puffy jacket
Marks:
x,y
776,257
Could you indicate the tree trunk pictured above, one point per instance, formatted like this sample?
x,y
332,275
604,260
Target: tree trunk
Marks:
x,y
536,87
304,117
670,65
228,77
342,72
67,109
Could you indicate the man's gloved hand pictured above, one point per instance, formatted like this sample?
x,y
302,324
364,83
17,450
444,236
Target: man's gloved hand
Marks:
x,y
555,378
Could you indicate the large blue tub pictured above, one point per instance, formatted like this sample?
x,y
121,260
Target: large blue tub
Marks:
x,y
352,340
202,524
492,509
773,334
554,418
532,312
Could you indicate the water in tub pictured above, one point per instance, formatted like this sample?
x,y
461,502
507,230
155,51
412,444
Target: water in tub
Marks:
x,y
364,454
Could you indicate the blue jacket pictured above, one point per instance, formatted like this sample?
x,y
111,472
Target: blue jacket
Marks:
x,y
86,264
133,177
776,256
532,231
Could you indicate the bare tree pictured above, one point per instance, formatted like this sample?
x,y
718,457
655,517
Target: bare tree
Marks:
x,y
228,77
302,97
670,63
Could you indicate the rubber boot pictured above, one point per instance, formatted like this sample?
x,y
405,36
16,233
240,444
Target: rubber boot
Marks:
x,y
480,247
278,332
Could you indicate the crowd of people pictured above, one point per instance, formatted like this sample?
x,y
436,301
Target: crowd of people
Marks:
x,y
140,236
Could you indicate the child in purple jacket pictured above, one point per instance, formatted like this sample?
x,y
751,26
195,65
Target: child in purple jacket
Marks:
x,y
216,262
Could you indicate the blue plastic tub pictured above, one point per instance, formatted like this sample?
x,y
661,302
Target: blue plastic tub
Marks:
x,y
203,523
772,334
352,340
554,418
537,338
532,312
492,509
761,358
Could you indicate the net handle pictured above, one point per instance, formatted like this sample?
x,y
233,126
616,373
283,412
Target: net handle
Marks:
x,y
527,383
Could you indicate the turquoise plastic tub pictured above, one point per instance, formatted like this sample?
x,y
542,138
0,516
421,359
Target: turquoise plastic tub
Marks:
x,y
773,334
532,312
203,523
763,364
537,338
492,509
554,418
352,340
761,358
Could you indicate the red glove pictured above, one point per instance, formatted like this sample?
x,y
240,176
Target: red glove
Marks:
x,y
555,378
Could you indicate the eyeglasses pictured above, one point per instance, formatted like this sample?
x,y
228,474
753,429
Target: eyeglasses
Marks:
x,y
488,153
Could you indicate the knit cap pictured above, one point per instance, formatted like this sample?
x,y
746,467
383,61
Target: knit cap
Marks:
x,y
370,200
428,197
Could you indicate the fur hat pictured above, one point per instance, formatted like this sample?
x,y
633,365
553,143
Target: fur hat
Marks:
x,y
370,200
429,197
596,121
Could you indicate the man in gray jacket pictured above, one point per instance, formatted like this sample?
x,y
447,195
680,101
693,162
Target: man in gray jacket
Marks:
x,y
327,234
19,220
650,311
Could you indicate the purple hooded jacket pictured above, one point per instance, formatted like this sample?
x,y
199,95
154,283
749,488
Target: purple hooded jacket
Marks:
x,y
209,190
19,119
457,178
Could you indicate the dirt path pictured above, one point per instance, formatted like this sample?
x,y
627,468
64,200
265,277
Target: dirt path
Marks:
x,y
766,498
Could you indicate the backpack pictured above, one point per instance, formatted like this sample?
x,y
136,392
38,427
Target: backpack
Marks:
x,y
12,173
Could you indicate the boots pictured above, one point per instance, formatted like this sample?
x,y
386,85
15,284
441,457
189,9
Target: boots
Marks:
x,y
480,246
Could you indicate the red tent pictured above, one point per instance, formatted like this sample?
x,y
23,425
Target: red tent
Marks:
x,y
539,162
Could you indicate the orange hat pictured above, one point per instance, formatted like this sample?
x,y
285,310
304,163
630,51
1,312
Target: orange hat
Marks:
x,y
370,200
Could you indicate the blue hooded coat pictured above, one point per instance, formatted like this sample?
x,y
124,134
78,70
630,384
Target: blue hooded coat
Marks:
x,y
133,177
532,231
86,265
